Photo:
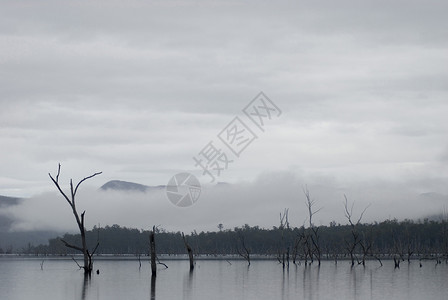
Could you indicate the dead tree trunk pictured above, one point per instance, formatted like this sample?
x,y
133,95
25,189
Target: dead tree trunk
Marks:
x,y
88,263
351,249
245,253
296,249
313,231
351,246
398,250
152,246
284,224
365,247
190,252
307,248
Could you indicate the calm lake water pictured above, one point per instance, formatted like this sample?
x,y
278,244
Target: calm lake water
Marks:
x,y
23,278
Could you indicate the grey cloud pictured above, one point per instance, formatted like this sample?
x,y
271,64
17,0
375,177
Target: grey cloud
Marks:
x,y
136,89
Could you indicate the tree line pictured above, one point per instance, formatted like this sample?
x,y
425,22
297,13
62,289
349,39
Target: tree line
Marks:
x,y
406,239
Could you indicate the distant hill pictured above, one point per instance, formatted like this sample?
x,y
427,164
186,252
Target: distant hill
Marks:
x,y
118,185
6,221
8,201
434,198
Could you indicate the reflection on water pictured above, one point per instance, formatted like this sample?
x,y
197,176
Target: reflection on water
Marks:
x,y
153,287
188,284
124,279
85,285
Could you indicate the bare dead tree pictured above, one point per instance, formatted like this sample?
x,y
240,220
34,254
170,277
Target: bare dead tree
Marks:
x,y
399,251
152,247
245,252
313,231
366,244
305,244
295,251
152,251
88,263
189,251
352,245
410,245
283,251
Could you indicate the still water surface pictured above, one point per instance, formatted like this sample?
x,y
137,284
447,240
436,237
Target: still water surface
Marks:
x,y
213,280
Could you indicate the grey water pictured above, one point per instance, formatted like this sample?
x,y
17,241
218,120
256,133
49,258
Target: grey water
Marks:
x,y
27,278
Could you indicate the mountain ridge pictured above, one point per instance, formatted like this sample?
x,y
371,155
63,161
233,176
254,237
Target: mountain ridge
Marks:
x,y
120,185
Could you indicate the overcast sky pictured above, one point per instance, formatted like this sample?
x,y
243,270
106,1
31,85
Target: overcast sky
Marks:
x,y
135,89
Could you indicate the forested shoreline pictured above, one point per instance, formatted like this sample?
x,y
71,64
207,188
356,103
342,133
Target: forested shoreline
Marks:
x,y
402,240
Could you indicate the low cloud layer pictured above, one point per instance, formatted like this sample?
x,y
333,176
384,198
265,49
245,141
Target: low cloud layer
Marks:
x,y
254,203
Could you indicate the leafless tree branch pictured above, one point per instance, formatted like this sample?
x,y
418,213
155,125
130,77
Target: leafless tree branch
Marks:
x,y
79,221
84,179
76,262
71,246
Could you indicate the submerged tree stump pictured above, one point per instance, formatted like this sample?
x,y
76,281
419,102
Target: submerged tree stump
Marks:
x,y
189,251
152,246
